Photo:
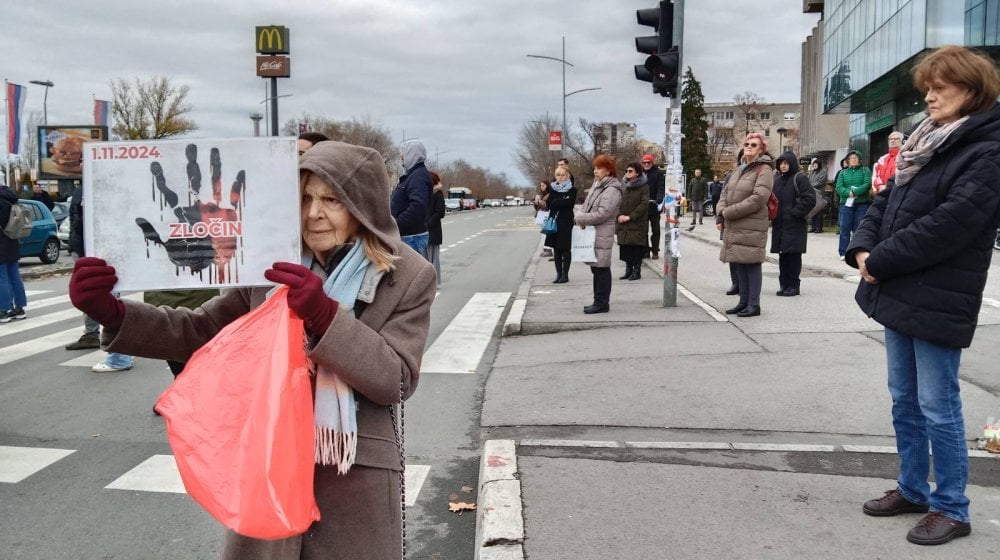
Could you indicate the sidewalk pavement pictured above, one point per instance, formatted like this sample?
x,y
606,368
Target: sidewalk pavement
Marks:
x,y
677,433
33,269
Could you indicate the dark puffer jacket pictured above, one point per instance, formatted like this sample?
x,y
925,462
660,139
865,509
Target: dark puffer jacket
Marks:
x,y
10,249
931,240
796,198
635,205
561,207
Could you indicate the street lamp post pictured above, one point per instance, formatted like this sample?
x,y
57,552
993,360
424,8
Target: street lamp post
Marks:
x,y
565,63
274,111
45,99
781,139
256,117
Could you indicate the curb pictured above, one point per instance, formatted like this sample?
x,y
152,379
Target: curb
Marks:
x,y
499,519
512,325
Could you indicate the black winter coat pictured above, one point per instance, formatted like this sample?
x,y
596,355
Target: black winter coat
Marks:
x,y
931,240
76,223
10,249
411,200
796,198
657,190
435,217
561,206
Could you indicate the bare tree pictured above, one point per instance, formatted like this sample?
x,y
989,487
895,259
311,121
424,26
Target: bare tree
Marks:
x,y
361,132
147,110
29,148
532,155
749,109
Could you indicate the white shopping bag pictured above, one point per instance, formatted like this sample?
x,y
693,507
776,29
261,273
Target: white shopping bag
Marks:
x,y
541,216
583,244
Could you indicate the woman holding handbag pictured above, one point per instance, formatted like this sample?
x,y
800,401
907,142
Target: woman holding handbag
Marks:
x,y
600,210
560,202
365,299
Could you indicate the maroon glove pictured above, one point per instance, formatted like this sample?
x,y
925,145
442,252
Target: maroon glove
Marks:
x,y
305,295
90,291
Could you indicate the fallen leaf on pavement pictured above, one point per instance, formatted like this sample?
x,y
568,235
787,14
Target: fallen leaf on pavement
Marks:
x,y
460,506
466,489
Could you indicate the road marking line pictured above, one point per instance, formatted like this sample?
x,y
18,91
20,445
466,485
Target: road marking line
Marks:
x,y
697,301
41,320
30,293
415,476
568,443
156,474
678,445
18,463
784,447
460,347
869,448
991,302
87,360
32,305
42,344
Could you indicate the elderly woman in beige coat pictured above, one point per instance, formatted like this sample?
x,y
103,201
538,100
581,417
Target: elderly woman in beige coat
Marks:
x,y
365,300
741,216
600,210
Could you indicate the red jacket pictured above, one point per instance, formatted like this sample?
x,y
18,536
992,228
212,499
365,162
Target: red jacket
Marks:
x,y
884,168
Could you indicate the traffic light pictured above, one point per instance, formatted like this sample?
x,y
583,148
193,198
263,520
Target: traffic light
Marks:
x,y
661,66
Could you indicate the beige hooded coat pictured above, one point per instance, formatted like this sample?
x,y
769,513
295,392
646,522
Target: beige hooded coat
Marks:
x,y
600,210
743,207
378,354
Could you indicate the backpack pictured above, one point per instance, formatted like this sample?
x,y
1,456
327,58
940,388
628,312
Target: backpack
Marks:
x,y
19,223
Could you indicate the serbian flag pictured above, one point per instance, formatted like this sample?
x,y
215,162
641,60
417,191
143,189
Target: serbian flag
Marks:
x,y
15,105
101,110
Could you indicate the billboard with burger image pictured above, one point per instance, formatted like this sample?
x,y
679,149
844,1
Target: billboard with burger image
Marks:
x,y
60,149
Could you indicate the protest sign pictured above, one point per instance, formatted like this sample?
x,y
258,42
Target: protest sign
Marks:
x,y
163,223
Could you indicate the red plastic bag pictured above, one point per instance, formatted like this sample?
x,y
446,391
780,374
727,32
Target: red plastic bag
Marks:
x,y
240,423
772,207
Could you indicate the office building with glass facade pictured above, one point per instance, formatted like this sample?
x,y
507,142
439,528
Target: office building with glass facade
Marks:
x,y
869,48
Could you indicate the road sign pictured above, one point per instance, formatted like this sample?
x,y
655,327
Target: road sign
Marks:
x,y
555,140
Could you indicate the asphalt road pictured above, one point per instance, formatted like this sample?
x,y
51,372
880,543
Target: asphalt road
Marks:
x,y
67,434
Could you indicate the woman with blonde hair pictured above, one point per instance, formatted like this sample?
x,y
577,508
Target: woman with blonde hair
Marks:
x,y
924,250
600,210
742,219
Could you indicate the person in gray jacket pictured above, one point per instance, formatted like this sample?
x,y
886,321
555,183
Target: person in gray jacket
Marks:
x,y
600,210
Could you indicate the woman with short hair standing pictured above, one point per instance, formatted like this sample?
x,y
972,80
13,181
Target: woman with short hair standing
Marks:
x,y
924,250
600,210
632,221
743,208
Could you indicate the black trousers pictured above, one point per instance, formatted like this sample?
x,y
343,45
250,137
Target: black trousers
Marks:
x,y
817,221
789,269
750,279
632,254
175,367
602,284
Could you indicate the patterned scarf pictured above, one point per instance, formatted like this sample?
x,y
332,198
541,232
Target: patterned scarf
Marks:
x,y
921,146
335,407
561,186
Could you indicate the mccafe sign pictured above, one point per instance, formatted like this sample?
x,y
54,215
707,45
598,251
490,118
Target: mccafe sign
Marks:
x,y
274,67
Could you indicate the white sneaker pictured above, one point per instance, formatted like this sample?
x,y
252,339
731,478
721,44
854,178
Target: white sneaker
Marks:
x,y
105,368
841,257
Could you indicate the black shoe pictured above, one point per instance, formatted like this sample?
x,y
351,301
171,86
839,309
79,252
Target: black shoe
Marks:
x,y
937,528
734,310
85,342
790,292
561,279
628,273
656,256
780,292
749,311
691,228
733,290
596,308
892,503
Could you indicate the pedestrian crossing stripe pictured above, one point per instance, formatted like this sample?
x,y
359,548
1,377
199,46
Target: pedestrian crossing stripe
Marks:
x,y
18,463
460,347
158,473
30,293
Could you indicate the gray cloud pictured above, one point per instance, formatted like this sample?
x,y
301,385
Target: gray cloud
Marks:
x,y
453,73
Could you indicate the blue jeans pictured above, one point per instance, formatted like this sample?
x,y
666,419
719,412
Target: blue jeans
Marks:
x,y
850,219
11,288
115,359
927,408
417,241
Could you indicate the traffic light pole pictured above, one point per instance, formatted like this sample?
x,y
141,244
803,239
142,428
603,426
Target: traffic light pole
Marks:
x,y
675,169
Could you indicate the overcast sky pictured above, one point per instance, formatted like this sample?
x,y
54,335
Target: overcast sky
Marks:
x,y
450,72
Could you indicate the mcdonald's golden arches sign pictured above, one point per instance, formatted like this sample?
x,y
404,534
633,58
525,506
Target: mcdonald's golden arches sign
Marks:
x,y
271,39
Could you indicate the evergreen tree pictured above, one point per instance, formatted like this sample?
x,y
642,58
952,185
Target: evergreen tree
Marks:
x,y
694,127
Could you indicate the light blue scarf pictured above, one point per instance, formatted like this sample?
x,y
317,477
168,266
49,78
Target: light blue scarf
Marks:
x,y
335,407
561,187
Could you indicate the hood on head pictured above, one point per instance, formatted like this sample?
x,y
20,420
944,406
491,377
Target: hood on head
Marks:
x,y
413,153
358,177
793,162
816,160
861,160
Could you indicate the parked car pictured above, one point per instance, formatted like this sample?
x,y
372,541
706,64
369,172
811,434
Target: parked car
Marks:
x,y
60,211
468,204
452,204
63,234
43,241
